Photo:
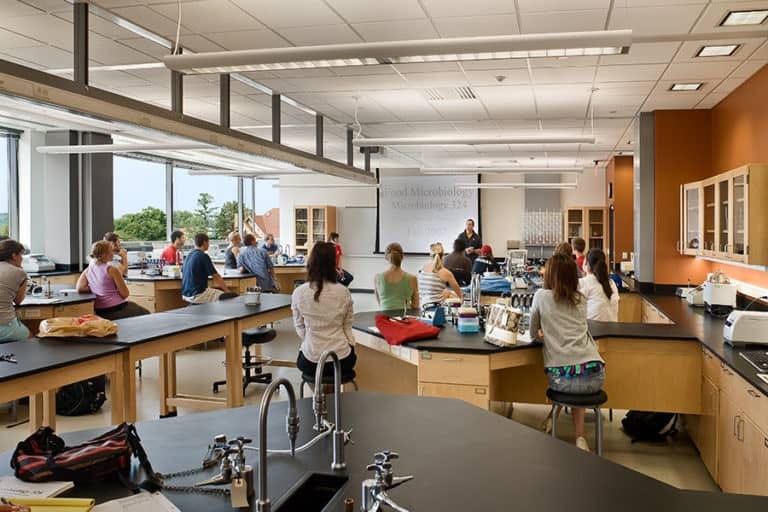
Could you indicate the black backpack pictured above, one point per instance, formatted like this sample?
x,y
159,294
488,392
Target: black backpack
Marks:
x,y
649,426
84,397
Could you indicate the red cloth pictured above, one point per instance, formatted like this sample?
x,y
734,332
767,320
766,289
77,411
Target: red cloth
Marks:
x,y
338,254
397,332
580,262
169,255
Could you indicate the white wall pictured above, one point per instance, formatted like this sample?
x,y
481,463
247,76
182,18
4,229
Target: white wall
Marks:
x,y
502,213
32,198
590,192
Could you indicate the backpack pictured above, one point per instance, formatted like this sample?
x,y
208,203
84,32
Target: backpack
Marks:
x,y
649,426
84,397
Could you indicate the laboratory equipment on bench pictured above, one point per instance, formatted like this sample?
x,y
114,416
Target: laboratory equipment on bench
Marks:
x,y
719,294
746,328
37,263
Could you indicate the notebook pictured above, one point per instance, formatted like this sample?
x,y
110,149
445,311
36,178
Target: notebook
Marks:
x,y
10,486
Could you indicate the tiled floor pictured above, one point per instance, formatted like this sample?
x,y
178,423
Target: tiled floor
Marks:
x,y
675,462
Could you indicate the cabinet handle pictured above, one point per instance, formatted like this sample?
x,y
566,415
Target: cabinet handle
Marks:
x,y
765,442
735,425
452,359
753,394
740,435
677,246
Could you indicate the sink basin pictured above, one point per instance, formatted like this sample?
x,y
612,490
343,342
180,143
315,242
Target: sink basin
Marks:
x,y
312,493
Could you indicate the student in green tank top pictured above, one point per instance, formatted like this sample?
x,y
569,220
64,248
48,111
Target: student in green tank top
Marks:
x,y
394,287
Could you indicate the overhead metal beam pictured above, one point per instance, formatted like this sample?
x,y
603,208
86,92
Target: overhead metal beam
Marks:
x,y
319,135
350,148
80,26
367,152
276,118
224,100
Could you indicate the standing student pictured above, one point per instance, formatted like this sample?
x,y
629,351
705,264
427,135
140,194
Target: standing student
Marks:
x,y
120,258
471,239
13,288
344,277
559,319
172,253
322,314
395,288
434,280
255,260
233,250
599,289
107,283
198,267
579,246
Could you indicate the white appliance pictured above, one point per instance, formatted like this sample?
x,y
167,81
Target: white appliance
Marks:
x,y
719,296
695,296
746,327
627,266
173,271
37,263
136,258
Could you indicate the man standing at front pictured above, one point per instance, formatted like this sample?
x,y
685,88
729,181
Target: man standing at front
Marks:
x,y
255,260
198,267
472,239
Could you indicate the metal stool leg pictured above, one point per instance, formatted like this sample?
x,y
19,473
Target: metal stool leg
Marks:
x,y
599,431
554,420
301,389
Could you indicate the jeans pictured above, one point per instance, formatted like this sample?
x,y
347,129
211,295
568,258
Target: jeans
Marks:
x,y
579,385
13,331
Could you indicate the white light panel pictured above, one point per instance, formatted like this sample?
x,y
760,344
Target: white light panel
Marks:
x,y
753,17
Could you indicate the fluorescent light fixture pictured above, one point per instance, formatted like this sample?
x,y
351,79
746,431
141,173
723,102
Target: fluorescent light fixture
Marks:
x,y
116,67
500,170
541,186
119,148
324,185
455,49
475,141
751,17
686,87
724,50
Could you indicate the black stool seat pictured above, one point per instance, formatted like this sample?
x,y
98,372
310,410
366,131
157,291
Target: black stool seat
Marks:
x,y
328,379
571,399
258,335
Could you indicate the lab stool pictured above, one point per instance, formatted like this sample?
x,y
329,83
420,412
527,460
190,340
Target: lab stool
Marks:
x,y
253,364
593,401
309,379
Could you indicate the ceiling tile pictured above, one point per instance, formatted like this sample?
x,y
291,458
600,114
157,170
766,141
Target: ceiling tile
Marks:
x,y
508,102
667,19
636,73
651,3
365,71
44,28
610,89
209,16
299,13
151,20
563,62
527,6
492,77
762,52
396,30
482,65
99,26
13,8
727,86
644,53
115,79
110,52
50,5
11,40
748,68
711,100
428,67
570,21
453,8
247,40
717,11
355,11
436,79
699,70
689,49
498,25
148,47
317,35
563,75
44,56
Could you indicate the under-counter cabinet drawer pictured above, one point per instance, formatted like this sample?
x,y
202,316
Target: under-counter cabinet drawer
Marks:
x,y
82,308
141,289
710,366
475,395
451,368
755,446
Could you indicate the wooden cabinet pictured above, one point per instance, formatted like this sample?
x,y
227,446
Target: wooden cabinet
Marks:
x,y
588,223
312,224
723,217
754,441
461,376
707,429
729,450
475,395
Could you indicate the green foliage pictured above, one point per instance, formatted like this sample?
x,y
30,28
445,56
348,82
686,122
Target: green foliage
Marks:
x,y
4,230
224,222
148,224
189,222
205,209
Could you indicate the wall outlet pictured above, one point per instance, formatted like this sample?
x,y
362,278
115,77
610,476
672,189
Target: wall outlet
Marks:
x,y
624,256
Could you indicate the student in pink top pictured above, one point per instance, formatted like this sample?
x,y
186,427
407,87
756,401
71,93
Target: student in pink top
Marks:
x,y
107,283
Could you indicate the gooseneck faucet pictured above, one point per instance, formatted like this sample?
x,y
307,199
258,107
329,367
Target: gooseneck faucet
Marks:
x,y
292,427
320,410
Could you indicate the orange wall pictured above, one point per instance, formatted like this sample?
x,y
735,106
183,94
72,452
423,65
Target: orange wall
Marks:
x,y
620,172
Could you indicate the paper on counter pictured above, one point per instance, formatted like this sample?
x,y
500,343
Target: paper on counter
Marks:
x,y
142,502
10,486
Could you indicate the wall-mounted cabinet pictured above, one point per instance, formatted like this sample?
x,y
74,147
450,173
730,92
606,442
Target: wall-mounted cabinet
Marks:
x,y
312,224
588,223
724,216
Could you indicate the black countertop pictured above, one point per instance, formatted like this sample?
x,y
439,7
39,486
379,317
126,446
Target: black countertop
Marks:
x,y
60,298
37,355
135,276
236,308
479,461
52,273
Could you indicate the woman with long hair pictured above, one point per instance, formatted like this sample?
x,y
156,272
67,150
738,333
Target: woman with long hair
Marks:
x,y
13,288
395,288
435,282
559,319
598,288
322,313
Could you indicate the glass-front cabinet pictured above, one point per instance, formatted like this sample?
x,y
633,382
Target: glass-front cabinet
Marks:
x,y
692,219
723,216
740,209
312,224
708,243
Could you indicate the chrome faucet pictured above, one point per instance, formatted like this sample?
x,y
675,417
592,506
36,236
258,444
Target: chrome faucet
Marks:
x,y
375,489
321,411
292,428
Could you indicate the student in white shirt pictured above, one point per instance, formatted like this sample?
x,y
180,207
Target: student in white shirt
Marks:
x,y
600,291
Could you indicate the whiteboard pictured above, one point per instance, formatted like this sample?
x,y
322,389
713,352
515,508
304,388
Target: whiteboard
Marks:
x,y
357,230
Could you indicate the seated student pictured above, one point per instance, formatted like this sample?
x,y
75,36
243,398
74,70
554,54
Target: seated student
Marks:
x,y
485,263
395,288
599,289
270,246
322,313
255,260
120,258
172,253
579,246
13,288
198,267
458,262
107,283
436,282
559,319
233,250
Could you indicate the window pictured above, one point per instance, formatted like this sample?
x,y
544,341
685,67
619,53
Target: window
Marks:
x,y
139,199
5,179
204,204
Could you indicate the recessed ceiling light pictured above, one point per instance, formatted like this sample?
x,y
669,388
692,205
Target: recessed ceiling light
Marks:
x,y
686,87
722,50
751,17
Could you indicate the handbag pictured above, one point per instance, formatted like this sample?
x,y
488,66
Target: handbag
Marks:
x,y
398,331
44,457
85,325
502,324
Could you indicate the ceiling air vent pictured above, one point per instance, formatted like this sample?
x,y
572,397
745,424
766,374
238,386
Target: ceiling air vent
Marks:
x,y
450,94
